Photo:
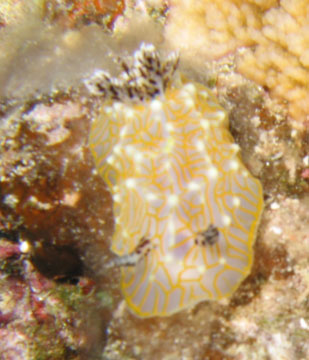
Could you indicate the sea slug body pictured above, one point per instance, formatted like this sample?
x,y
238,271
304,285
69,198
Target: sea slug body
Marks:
x,y
186,208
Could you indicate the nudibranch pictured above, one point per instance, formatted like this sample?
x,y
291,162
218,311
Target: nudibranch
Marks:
x,y
186,208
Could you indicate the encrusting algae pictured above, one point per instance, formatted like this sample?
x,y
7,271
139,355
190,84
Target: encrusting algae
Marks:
x,y
186,208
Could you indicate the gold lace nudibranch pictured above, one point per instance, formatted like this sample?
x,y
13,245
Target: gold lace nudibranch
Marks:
x,y
186,208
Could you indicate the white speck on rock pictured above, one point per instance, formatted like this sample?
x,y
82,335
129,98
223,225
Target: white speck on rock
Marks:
x,y
274,206
11,200
276,230
303,324
306,160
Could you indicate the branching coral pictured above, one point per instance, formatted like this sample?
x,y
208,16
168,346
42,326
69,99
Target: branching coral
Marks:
x,y
275,36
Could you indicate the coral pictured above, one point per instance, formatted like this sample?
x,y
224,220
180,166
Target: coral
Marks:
x,y
76,13
38,317
268,38
13,11
45,230
44,164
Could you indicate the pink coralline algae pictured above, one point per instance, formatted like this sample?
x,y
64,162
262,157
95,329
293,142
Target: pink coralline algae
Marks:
x,y
32,304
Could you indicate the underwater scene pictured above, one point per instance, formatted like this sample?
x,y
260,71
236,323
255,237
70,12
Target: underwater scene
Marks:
x,y
154,180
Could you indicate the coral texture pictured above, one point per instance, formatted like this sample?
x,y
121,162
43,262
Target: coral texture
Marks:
x,y
268,37
77,13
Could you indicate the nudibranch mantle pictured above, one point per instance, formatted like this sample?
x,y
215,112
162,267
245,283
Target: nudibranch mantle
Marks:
x,y
186,208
